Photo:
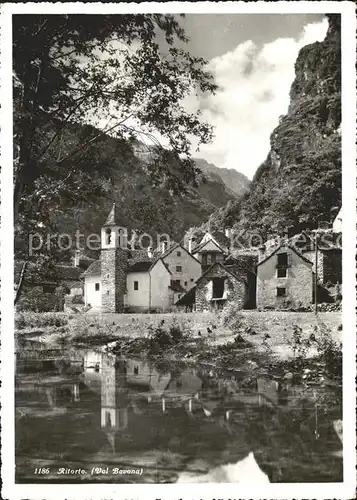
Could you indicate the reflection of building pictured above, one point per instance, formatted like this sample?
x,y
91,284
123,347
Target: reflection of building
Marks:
x,y
57,395
144,376
114,397
271,392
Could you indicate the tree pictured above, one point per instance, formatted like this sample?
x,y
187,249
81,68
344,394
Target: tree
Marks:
x,y
71,69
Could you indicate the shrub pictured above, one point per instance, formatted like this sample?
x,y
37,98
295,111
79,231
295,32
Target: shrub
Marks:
x,y
299,345
330,352
161,337
230,315
78,299
29,319
175,332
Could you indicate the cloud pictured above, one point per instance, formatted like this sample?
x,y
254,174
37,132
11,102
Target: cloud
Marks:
x,y
254,86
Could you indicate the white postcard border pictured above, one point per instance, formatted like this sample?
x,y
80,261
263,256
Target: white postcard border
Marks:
x,y
189,491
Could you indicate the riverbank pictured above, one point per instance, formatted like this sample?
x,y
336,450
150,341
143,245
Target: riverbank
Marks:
x,y
281,343
268,383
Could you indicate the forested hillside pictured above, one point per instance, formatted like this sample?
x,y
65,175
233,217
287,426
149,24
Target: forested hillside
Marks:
x,y
144,206
299,183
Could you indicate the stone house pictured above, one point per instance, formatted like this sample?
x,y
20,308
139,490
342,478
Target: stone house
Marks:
x,y
208,253
219,286
284,278
44,287
126,279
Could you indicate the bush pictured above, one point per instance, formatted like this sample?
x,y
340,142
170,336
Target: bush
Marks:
x,y
300,346
78,299
29,319
331,353
160,338
176,333
230,315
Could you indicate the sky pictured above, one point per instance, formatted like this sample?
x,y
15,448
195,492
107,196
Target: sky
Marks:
x,y
252,58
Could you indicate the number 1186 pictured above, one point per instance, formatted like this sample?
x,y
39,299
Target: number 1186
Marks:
x,y
42,470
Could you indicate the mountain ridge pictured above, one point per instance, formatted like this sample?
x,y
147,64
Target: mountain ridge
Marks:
x,y
299,184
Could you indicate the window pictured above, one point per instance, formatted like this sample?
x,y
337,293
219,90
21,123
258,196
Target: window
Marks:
x,y
178,254
108,419
217,288
191,279
178,282
213,257
136,285
179,269
108,236
281,292
282,271
179,296
282,259
48,288
185,283
136,370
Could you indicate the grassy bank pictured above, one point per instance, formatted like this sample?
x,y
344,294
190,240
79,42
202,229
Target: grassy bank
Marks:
x,y
298,344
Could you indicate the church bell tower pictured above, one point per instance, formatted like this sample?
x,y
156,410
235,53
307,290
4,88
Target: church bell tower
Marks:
x,y
113,263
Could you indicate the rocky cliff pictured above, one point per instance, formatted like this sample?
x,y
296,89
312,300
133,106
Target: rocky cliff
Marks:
x,y
299,184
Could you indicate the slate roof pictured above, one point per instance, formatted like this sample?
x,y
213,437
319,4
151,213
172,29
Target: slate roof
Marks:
x,y
291,248
188,298
226,268
141,266
76,284
219,238
177,287
113,218
200,247
93,270
173,247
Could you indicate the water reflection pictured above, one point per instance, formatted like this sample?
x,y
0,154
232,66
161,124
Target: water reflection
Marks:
x,y
93,407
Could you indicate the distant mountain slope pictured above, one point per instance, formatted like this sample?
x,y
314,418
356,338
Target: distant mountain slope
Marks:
x,y
235,181
143,207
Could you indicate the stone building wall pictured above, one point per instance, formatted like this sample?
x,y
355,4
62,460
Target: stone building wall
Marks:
x,y
235,290
329,265
320,264
298,283
113,269
332,263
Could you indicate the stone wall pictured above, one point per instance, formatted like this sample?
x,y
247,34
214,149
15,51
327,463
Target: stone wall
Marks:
x,y
113,268
298,282
332,263
235,290
320,264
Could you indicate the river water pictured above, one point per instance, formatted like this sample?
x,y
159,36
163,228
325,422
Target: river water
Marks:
x,y
88,416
